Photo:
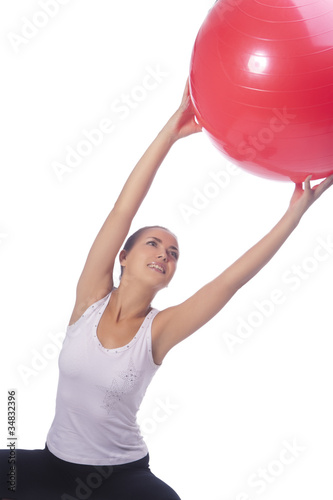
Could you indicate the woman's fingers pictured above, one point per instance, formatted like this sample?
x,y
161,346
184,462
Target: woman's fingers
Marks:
x,y
186,93
325,184
307,184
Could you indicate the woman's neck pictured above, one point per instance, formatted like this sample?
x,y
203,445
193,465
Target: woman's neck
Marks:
x,y
130,301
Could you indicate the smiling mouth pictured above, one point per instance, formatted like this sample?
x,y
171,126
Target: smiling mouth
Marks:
x,y
157,267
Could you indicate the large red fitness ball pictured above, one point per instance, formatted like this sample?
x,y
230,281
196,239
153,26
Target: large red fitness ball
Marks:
x,y
261,82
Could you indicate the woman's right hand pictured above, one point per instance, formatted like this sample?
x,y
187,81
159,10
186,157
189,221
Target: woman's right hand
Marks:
x,y
183,122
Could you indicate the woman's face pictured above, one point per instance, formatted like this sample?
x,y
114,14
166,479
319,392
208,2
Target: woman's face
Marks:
x,y
152,259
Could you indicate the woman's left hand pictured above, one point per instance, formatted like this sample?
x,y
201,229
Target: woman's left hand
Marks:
x,y
303,198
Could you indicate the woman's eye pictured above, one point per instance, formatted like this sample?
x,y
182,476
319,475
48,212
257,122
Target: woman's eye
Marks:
x,y
152,243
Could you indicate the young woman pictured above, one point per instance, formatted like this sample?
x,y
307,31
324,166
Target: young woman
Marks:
x,y
116,341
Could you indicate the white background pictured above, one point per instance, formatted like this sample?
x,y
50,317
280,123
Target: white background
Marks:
x,y
232,410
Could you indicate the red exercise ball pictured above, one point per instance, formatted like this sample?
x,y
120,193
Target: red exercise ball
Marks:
x,y
261,82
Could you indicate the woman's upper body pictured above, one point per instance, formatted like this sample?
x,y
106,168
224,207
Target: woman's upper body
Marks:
x,y
100,390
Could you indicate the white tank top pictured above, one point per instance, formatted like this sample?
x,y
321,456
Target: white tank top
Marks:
x,y
99,394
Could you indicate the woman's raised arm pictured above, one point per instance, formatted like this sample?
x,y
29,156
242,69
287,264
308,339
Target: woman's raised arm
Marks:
x,y
96,279
174,324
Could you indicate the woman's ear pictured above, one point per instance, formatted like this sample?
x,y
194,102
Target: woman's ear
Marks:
x,y
122,258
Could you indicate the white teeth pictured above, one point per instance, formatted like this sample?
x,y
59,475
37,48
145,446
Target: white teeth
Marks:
x,y
156,267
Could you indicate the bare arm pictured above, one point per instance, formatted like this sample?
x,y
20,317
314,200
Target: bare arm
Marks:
x,y
96,279
176,323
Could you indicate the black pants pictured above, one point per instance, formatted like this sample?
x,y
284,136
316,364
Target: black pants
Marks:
x,y
40,475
